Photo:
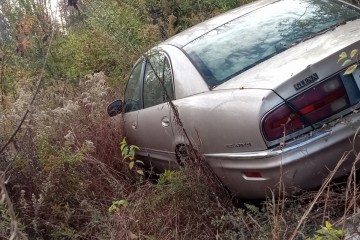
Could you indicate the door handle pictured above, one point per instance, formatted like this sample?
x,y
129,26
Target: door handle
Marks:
x,y
165,122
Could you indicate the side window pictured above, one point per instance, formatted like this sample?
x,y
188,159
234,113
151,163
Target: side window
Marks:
x,y
168,79
133,90
157,71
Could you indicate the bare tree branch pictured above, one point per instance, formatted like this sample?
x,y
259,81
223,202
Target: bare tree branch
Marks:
x,y
33,99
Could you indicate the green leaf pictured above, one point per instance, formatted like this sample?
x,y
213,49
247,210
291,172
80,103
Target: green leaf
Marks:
x,y
123,202
141,172
123,144
321,231
113,208
328,224
353,53
115,205
131,164
134,147
342,56
346,62
351,69
141,162
340,233
125,151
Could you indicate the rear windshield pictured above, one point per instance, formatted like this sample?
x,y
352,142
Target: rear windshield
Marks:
x,y
248,40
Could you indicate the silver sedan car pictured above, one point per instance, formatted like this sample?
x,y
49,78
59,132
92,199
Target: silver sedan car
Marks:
x,y
259,91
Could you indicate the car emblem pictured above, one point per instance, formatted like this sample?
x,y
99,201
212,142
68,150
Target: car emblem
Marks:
x,y
307,81
238,145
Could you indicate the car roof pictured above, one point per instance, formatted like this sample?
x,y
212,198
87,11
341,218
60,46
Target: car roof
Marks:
x,y
189,35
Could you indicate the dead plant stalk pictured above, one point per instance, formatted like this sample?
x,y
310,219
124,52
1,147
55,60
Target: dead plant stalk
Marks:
x,y
4,196
319,193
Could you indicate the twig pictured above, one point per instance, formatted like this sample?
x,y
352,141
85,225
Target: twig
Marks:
x,y
2,75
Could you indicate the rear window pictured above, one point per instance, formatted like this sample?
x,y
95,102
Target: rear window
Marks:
x,y
250,39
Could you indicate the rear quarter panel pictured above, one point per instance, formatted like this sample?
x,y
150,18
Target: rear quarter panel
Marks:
x,y
225,120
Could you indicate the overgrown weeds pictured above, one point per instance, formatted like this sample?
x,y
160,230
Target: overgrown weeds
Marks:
x,y
178,207
66,160
63,170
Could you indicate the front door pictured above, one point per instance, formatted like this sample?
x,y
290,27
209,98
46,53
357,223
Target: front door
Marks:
x,y
133,103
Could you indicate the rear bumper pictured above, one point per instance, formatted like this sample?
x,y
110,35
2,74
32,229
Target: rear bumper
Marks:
x,y
303,163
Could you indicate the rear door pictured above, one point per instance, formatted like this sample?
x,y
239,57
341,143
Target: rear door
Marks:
x,y
154,120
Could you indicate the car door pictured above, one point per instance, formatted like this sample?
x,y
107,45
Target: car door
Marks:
x,y
133,103
154,120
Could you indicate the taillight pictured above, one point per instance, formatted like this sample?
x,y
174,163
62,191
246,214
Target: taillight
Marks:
x,y
312,106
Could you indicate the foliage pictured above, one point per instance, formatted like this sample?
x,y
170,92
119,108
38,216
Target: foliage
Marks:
x,y
27,29
352,58
115,206
328,233
128,153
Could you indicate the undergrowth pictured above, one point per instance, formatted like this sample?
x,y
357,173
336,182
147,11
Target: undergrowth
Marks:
x,y
64,170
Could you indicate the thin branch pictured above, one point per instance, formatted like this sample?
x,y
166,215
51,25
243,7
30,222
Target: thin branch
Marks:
x,y
34,97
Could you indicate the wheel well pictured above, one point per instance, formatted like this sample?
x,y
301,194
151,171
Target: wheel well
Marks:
x,y
182,154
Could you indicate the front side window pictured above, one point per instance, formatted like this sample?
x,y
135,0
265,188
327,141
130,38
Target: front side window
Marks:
x,y
133,90
250,39
157,80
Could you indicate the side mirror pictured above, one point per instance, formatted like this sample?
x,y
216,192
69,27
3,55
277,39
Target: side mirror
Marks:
x,y
115,108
